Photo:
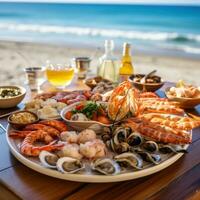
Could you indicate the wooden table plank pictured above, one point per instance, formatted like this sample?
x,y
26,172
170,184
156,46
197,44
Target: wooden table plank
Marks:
x,y
182,187
25,182
148,186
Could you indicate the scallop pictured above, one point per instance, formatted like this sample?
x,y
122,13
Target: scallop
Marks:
x,y
79,117
106,166
48,159
69,165
129,159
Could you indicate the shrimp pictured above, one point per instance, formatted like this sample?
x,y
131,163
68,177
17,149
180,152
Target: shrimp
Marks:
x,y
60,126
29,149
48,129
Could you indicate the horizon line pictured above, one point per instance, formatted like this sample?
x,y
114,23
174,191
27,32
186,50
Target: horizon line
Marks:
x,y
128,2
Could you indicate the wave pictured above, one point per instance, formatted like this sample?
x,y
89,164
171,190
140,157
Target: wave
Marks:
x,y
113,33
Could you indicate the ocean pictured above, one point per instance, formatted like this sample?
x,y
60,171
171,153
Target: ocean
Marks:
x,y
149,28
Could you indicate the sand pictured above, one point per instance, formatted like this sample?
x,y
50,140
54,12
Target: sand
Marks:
x,y
15,56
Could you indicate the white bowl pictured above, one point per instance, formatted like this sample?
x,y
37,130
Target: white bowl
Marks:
x,y
81,125
12,101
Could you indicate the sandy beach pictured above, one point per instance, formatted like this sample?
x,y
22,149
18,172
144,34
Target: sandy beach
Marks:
x,y
15,56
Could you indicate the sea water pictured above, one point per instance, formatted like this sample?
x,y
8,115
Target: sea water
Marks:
x,y
166,29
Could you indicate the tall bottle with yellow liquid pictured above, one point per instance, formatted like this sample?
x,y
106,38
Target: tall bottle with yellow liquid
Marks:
x,y
126,68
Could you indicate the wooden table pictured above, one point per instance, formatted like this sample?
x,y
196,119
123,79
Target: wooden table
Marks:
x,y
179,181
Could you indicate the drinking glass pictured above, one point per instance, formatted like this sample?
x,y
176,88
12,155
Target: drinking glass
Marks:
x,y
35,77
60,75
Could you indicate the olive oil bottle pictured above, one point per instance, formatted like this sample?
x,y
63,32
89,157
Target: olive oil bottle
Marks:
x,y
126,68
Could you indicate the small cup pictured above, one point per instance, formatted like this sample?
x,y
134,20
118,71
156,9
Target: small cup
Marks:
x,y
35,77
82,65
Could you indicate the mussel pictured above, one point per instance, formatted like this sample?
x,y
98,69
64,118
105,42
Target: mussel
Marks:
x,y
167,148
48,159
129,159
150,157
135,139
106,166
69,165
150,146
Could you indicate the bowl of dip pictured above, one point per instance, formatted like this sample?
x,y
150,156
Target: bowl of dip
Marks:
x,y
20,119
11,96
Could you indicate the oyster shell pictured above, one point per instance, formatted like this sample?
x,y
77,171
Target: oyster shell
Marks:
x,y
135,139
48,159
150,157
129,159
69,165
167,148
119,135
150,146
106,166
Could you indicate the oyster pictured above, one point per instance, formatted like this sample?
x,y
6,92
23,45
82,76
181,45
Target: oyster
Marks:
x,y
135,139
150,146
121,148
79,117
129,159
119,135
106,166
166,148
48,159
69,165
149,157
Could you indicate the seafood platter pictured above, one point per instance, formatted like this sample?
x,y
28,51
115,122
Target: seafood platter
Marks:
x,y
139,134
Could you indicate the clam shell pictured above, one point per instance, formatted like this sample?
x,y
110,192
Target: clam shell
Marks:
x,y
48,159
69,165
106,166
119,135
129,159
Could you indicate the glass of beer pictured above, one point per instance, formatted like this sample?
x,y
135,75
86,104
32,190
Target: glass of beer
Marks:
x,y
60,75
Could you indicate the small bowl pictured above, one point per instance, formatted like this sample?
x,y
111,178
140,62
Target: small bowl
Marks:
x,y
184,102
20,125
12,101
81,125
149,87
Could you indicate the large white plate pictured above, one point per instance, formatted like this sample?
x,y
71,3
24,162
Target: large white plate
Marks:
x,y
35,165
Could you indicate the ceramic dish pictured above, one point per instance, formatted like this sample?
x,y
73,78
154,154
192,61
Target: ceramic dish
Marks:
x,y
89,177
184,102
12,101
21,125
149,87
81,125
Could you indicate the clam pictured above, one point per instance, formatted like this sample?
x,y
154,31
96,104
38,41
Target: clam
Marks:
x,y
150,157
48,159
167,148
129,159
119,135
150,146
135,139
106,166
79,117
69,165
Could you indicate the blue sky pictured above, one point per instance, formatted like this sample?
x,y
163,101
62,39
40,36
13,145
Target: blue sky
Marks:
x,y
193,2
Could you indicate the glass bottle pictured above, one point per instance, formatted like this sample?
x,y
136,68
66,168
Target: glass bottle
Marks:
x,y
108,63
126,68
